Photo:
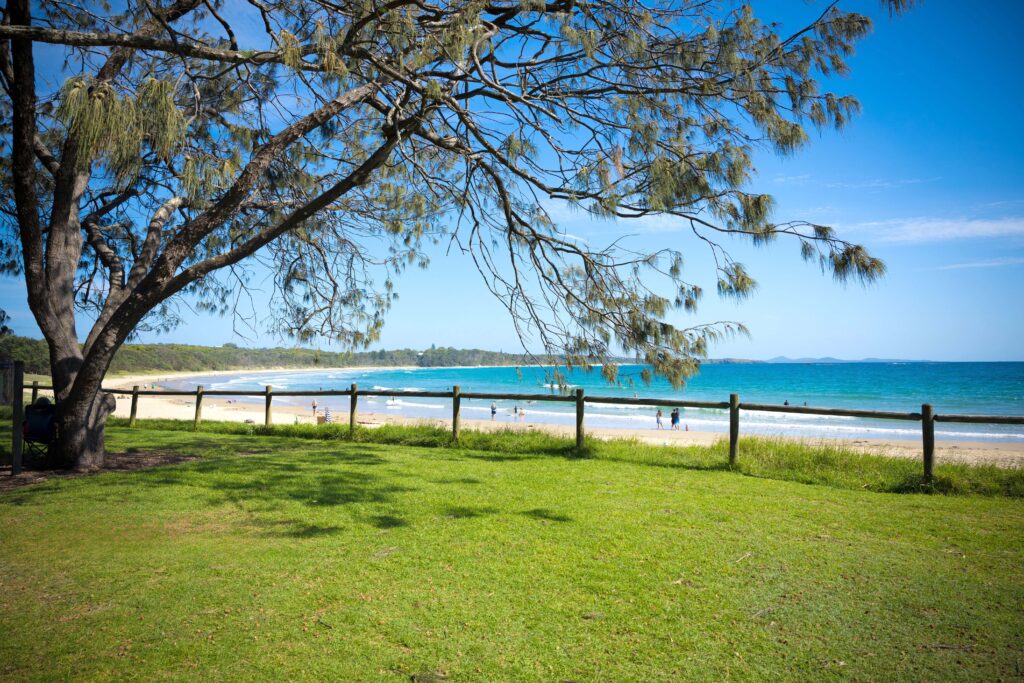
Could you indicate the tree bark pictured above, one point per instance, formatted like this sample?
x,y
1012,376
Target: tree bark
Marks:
x,y
82,407
81,433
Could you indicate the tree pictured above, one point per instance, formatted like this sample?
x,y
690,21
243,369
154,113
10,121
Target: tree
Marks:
x,y
5,329
181,148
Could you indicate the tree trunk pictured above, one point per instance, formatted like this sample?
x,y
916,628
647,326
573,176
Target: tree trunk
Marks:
x,y
81,426
82,408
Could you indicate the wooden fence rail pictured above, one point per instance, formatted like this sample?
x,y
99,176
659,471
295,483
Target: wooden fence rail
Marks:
x,y
927,416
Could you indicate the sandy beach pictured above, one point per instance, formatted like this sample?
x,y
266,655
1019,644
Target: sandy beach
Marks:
x,y
226,409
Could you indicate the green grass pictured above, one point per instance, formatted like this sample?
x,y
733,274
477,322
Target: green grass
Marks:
x,y
281,557
823,463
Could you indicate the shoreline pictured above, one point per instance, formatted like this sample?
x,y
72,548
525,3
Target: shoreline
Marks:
x,y
217,408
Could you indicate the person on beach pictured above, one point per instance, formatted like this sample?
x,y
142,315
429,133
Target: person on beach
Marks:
x,y
675,418
314,410
494,410
657,417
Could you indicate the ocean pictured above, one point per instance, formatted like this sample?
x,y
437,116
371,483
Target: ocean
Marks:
x,y
972,388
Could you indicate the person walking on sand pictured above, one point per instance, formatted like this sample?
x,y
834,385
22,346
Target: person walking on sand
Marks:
x,y
314,410
675,418
494,410
657,417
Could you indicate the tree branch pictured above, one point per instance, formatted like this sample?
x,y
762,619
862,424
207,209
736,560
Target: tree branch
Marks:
x,y
140,41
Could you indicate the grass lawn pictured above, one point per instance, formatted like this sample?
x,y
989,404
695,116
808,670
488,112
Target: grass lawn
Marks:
x,y
275,557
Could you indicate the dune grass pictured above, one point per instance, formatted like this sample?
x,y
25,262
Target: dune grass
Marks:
x,y
286,558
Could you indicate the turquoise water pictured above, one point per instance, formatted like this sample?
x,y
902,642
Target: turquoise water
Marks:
x,y
973,388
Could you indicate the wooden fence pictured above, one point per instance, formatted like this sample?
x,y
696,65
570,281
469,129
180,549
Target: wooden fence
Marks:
x,y
927,417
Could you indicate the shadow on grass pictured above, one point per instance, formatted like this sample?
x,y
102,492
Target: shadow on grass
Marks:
x,y
288,462
468,512
292,529
546,515
387,521
463,480
266,483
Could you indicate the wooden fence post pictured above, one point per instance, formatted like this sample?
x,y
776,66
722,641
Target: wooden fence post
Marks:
x,y
17,415
352,410
579,420
734,428
456,407
135,406
199,406
928,437
35,390
267,419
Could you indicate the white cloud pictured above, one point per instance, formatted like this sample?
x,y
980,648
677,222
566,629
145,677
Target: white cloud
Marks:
x,y
990,263
574,238
925,229
880,183
802,179
816,211
578,223
1001,204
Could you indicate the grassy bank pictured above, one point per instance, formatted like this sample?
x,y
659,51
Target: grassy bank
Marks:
x,y
822,463
281,557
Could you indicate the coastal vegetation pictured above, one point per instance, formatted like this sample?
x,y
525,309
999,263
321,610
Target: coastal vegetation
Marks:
x,y
141,358
282,556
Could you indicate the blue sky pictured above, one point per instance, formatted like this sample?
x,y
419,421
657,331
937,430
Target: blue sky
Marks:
x,y
929,177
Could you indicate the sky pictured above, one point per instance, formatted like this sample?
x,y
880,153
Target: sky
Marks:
x,y
929,177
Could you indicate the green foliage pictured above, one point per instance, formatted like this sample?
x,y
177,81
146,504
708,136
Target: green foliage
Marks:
x,y
136,358
347,137
115,127
33,352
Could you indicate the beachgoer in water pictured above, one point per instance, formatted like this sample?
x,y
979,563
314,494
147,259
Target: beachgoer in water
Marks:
x,y
657,417
786,402
494,410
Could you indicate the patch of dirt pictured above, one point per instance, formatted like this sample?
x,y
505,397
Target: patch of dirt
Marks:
x,y
113,462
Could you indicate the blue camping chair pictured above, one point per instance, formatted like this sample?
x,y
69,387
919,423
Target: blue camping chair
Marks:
x,y
39,429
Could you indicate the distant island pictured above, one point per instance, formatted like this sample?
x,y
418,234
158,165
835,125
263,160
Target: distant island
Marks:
x,y
136,358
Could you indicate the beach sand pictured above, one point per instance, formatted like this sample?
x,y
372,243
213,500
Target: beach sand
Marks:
x,y
220,408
